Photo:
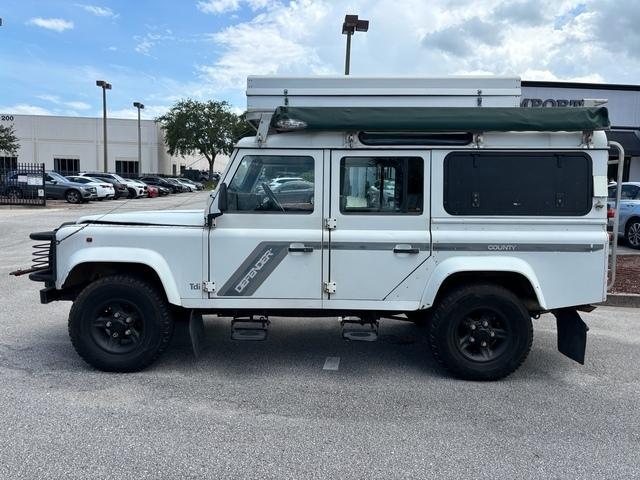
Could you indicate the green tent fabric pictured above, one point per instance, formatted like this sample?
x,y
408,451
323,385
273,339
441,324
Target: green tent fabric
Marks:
x,y
445,119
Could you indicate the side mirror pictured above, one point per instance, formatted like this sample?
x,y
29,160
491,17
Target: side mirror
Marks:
x,y
222,197
222,204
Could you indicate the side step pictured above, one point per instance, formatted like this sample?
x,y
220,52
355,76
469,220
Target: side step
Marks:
x,y
359,329
249,329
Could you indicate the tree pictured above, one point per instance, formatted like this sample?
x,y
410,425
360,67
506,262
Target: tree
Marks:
x,y
207,128
8,141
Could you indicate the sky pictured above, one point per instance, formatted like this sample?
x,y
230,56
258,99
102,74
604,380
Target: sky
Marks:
x,y
159,51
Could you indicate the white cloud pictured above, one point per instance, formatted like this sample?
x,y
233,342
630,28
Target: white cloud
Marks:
x,y
56,24
99,11
149,112
149,40
25,109
273,42
74,105
216,7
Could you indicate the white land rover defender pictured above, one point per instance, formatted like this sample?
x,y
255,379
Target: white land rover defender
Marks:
x,y
430,200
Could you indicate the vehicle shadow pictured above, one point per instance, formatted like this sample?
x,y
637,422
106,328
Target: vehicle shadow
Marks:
x,y
303,344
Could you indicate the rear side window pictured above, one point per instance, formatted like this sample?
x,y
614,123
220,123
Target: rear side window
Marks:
x,y
518,184
381,185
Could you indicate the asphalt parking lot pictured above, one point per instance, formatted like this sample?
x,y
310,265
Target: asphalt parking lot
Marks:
x,y
271,410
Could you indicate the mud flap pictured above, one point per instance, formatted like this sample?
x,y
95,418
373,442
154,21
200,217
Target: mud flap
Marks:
x,y
196,332
572,334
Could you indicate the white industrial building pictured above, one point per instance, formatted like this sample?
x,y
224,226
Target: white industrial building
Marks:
x,y
76,143
73,144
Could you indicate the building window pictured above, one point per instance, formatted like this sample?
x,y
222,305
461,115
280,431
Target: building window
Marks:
x,y
8,163
66,166
272,184
381,185
127,168
518,184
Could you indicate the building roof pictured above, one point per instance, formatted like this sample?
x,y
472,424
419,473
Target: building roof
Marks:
x,y
580,85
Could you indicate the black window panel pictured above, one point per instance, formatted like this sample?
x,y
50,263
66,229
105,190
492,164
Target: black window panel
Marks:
x,y
518,184
8,163
127,167
66,166
381,185
415,138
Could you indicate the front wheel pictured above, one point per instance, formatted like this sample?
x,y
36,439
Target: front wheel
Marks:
x,y
73,196
632,233
480,332
120,324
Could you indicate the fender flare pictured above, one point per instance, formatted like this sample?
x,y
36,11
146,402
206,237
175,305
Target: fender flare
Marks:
x,y
465,264
141,256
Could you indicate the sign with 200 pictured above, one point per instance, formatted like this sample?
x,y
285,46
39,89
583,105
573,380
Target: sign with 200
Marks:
x,y
6,118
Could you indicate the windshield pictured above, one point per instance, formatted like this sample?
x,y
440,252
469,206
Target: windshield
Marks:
x,y
57,177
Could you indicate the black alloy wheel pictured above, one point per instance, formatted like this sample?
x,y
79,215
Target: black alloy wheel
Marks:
x,y
480,332
120,323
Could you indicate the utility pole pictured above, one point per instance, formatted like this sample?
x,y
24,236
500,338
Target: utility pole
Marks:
x,y
105,86
351,25
139,106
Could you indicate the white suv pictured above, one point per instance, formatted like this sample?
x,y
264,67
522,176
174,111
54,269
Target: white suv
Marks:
x,y
136,190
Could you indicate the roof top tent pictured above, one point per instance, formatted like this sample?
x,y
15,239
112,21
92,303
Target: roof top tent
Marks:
x,y
451,104
266,93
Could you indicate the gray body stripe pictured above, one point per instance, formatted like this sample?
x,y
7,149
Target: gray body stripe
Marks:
x,y
516,247
266,257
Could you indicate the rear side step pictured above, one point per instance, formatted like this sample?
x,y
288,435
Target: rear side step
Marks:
x,y
250,329
359,329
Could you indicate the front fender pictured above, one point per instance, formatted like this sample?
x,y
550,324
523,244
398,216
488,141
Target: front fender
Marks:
x,y
142,256
464,264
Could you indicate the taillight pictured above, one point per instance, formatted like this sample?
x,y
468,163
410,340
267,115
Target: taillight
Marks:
x,y
611,212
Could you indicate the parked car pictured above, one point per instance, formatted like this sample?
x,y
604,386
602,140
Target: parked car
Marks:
x,y
161,182
189,187
198,185
197,175
103,189
135,190
142,184
629,227
296,194
152,191
120,189
179,186
280,180
61,188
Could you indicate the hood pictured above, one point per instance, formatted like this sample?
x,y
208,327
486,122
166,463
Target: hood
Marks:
x,y
178,218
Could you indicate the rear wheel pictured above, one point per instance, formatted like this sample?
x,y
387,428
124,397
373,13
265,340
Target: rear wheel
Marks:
x,y
120,324
73,196
632,233
480,332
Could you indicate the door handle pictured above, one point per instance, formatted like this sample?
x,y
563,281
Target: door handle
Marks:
x,y
405,249
300,249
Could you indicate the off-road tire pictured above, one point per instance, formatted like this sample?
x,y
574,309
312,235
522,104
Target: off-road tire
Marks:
x,y
631,232
153,307
455,307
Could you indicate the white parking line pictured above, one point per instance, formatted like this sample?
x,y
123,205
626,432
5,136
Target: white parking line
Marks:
x,y
331,363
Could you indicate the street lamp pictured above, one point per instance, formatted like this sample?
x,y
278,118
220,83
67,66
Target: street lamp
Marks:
x,y
105,86
139,106
351,25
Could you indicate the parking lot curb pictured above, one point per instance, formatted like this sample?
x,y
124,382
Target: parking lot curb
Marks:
x,y
629,300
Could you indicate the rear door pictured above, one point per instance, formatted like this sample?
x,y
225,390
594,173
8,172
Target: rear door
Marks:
x,y
379,200
268,244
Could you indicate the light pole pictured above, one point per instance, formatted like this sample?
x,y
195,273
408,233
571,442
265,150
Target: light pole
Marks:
x,y
139,106
351,25
105,86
